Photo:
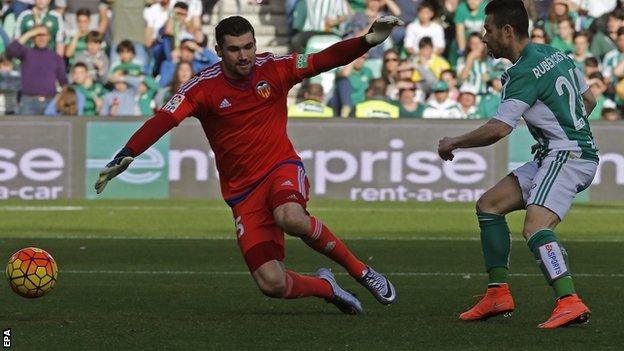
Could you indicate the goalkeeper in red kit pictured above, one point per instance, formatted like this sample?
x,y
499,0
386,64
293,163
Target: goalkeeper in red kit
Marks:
x,y
241,104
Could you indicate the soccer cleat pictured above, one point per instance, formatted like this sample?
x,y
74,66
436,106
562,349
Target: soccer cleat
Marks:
x,y
569,310
497,300
346,303
379,286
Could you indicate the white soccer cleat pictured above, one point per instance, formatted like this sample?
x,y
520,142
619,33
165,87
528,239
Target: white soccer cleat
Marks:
x,y
379,286
346,302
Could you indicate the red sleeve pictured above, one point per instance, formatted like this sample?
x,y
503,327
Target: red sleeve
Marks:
x,y
149,133
180,105
339,54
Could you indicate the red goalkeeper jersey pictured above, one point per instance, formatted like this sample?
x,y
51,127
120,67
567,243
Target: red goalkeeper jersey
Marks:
x,y
246,126
245,122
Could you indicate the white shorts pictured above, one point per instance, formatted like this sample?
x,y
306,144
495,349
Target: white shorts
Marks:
x,y
554,184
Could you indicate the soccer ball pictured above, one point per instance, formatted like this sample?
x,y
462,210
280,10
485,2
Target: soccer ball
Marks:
x,y
32,272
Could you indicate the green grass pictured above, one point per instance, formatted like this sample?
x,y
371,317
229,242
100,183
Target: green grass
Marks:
x,y
129,282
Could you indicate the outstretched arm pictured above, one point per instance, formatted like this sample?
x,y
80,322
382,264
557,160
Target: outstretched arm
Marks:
x,y
487,134
348,50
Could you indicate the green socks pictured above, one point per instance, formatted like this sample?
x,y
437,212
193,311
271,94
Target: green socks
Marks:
x,y
552,259
496,245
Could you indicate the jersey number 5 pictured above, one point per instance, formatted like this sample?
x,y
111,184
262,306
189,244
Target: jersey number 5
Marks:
x,y
561,82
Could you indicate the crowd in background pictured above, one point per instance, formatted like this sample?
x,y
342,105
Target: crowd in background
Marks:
x,y
57,57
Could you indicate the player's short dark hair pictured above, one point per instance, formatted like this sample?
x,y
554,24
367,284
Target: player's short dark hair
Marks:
x,y
83,12
235,26
80,64
511,12
125,45
425,41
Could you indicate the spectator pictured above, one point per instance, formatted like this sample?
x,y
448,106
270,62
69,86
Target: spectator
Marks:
x,y
427,58
351,83
77,43
9,86
41,68
450,78
126,52
559,10
98,20
611,114
539,36
446,18
323,17
469,18
390,66
598,88
604,38
406,12
565,40
123,99
376,104
177,27
41,14
194,13
467,101
189,51
66,103
488,103
424,26
613,63
408,104
90,89
591,66
155,16
94,57
146,92
18,6
404,73
359,23
312,104
477,66
183,73
439,105
581,49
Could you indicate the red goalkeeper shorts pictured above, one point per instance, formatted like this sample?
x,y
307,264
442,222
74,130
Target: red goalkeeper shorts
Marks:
x,y
259,238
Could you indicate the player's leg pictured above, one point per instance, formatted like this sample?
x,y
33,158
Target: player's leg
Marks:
x,y
506,196
265,261
557,182
262,244
288,200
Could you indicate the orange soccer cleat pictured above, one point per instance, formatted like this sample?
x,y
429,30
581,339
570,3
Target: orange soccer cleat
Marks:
x,y
569,310
497,300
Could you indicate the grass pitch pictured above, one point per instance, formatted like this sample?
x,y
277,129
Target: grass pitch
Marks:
x,y
146,275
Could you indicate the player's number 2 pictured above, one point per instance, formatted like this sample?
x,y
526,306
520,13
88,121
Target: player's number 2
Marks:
x,y
561,82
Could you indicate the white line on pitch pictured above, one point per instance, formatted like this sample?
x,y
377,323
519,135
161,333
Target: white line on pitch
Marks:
x,y
466,275
289,238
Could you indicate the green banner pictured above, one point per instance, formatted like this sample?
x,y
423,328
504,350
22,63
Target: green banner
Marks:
x,y
147,176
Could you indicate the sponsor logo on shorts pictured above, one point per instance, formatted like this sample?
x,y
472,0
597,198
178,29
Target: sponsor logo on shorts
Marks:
x,y
173,103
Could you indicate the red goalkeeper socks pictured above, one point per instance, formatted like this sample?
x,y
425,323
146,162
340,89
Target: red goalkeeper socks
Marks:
x,y
298,285
324,241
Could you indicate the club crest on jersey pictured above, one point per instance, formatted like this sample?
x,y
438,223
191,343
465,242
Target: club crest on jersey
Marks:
x,y
173,103
263,88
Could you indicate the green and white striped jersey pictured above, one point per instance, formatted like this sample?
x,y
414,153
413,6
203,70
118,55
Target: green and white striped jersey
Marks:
x,y
51,19
544,87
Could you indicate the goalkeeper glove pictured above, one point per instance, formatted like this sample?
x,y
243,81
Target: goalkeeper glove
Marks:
x,y
119,164
381,29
